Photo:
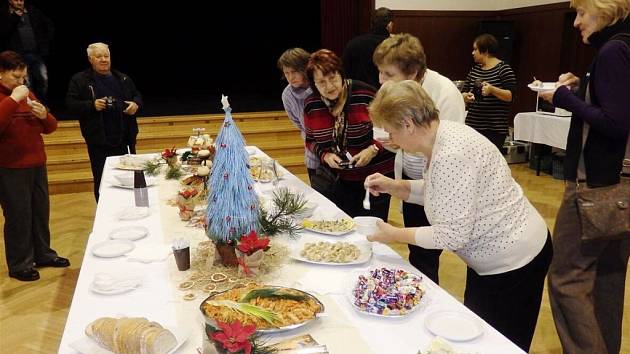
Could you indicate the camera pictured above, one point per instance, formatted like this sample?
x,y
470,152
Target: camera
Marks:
x,y
110,103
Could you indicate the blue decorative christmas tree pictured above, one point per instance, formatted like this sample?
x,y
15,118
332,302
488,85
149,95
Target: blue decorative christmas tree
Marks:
x,y
233,208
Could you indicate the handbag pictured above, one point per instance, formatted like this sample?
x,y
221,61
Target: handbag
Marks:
x,y
604,212
324,180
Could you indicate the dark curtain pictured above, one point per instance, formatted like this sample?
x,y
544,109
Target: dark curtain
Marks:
x,y
342,20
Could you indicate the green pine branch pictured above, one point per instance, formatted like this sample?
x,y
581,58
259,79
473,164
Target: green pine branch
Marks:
x,y
152,168
173,173
279,219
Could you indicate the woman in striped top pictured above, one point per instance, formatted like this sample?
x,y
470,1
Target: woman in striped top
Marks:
x,y
339,132
488,91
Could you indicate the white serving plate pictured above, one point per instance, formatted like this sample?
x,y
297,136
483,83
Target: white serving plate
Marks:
x,y
131,233
331,233
134,213
453,325
546,86
151,181
350,295
112,248
364,247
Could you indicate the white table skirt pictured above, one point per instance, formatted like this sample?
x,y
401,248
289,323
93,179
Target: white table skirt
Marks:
x,y
542,129
157,299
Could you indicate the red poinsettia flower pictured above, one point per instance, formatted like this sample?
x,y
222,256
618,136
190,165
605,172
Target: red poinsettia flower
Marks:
x,y
250,243
169,152
234,337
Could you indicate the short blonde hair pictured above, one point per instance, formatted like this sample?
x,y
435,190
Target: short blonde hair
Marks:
x,y
610,11
94,46
405,52
396,101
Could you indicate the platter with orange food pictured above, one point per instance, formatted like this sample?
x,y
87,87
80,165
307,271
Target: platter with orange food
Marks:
x,y
271,309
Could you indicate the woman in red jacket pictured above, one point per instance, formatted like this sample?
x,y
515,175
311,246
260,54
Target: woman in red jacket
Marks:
x,y
23,176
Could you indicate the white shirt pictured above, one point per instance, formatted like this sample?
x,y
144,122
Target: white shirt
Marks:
x,y
475,207
448,100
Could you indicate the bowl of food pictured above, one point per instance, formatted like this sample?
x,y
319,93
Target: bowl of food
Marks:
x,y
271,309
125,179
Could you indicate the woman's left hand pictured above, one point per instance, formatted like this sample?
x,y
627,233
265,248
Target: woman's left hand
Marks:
x,y
39,110
364,156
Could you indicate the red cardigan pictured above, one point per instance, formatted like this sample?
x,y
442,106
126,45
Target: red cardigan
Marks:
x,y
21,143
319,124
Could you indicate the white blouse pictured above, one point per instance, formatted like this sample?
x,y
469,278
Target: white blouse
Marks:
x,y
475,207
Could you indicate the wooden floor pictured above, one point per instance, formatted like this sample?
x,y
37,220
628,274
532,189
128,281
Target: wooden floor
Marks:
x,y
33,315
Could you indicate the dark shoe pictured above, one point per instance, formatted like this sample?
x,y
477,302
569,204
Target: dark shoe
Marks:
x,y
25,275
57,262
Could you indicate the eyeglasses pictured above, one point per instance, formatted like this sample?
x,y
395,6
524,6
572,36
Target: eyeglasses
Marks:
x,y
330,79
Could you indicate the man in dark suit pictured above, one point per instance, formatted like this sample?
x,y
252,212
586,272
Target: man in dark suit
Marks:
x,y
106,102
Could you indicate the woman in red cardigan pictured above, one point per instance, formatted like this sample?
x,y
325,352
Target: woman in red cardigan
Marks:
x,y
339,132
23,176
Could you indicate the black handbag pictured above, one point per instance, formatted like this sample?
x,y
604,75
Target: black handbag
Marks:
x,y
324,180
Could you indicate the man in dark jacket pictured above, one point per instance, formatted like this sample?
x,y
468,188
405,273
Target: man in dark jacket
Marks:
x,y
27,31
106,102
357,55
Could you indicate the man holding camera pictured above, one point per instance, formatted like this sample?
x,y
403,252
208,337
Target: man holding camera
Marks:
x,y
106,102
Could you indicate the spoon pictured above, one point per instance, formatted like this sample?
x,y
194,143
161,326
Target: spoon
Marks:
x,y
366,200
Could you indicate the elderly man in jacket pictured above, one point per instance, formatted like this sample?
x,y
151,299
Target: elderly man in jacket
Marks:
x,y
106,102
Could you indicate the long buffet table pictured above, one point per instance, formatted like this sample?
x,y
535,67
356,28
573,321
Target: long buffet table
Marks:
x,y
342,329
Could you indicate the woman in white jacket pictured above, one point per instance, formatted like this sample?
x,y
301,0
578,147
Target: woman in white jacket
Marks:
x,y
474,207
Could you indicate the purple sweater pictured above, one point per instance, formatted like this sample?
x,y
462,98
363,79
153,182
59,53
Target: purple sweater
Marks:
x,y
608,115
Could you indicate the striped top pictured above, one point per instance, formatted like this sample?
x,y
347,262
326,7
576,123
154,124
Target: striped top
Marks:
x,y
319,123
489,112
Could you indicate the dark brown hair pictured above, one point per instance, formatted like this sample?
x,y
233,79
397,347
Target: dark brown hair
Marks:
x,y
10,60
487,43
294,58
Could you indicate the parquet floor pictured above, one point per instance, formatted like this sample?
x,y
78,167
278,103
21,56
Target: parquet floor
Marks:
x,y
33,315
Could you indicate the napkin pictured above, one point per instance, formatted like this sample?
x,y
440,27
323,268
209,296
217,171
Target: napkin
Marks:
x,y
149,253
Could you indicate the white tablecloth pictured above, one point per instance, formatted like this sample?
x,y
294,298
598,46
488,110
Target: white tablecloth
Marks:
x,y
542,129
157,299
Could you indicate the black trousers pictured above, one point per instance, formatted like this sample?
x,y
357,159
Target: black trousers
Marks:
x,y
98,155
311,173
348,196
510,301
25,205
496,138
425,260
